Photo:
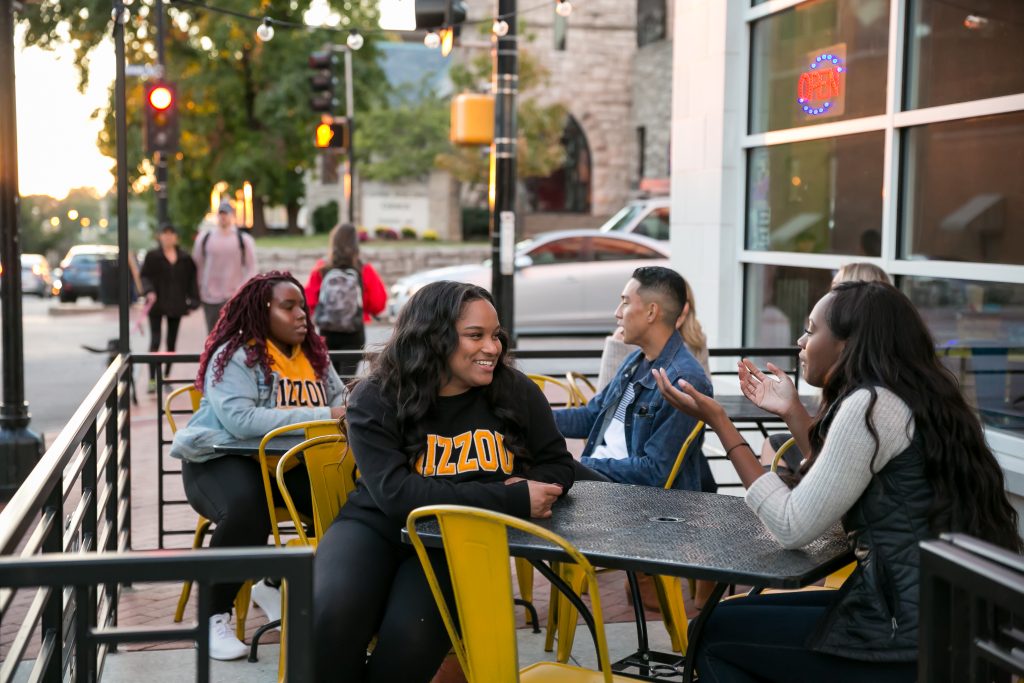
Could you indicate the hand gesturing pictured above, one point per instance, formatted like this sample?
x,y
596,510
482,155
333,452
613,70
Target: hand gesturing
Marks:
x,y
774,393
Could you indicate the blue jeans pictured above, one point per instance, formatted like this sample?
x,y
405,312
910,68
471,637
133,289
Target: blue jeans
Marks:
x,y
762,639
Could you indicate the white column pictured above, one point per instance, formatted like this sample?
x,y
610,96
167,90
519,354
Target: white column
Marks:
x,y
709,83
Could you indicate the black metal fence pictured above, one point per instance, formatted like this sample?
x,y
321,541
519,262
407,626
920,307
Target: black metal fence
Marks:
x,y
972,612
75,646
77,499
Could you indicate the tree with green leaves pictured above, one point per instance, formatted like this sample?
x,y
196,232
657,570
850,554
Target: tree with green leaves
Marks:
x,y
243,104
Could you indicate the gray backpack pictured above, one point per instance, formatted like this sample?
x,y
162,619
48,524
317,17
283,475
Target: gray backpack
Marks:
x,y
340,307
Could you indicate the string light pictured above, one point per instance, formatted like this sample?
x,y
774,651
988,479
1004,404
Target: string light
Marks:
x,y
432,40
265,32
500,27
563,8
354,40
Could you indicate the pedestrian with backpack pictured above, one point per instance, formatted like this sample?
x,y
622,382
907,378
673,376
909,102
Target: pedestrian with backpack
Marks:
x,y
342,293
225,259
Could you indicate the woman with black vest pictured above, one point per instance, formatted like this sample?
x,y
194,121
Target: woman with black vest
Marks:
x,y
896,455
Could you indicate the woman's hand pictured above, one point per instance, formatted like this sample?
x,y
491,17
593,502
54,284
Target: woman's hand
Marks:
x,y
686,399
542,497
775,393
337,412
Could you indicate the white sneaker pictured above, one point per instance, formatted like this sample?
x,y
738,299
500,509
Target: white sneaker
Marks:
x,y
268,599
223,643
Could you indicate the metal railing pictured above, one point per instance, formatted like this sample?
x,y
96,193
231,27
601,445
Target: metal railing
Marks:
x,y
77,499
75,648
972,612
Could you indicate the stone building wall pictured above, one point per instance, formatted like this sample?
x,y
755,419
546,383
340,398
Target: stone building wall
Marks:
x,y
592,77
652,110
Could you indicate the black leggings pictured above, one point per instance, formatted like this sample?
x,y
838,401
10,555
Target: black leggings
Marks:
x,y
154,338
762,639
346,341
229,491
366,585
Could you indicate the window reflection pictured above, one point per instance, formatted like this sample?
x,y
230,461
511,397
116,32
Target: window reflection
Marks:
x,y
778,301
965,190
823,196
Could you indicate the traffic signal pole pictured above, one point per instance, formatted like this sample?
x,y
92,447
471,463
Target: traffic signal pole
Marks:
x,y
502,182
20,448
160,157
351,115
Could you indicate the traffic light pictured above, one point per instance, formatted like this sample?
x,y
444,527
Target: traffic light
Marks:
x,y
322,82
161,118
432,13
332,133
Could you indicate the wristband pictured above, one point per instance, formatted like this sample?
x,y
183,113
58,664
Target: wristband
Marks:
x,y
732,448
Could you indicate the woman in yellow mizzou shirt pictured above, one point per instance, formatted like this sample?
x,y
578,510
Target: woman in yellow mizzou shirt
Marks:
x,y
260,369
441,418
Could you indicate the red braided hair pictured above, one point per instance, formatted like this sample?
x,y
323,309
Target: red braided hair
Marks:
x,y
246,317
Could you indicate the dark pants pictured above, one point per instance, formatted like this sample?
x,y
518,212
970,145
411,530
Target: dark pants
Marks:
x,y
366,585
229,491
154,338
211,312
346,341
763,639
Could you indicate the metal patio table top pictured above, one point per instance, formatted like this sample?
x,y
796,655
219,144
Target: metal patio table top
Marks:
x,y
279,445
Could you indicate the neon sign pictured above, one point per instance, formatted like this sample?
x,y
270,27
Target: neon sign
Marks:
x,y
821,88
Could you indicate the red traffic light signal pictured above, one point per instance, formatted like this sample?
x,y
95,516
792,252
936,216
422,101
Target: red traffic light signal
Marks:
x,y
161,107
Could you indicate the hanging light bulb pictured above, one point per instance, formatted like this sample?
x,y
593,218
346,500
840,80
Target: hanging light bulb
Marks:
x,y
354,40
500,27
563,8
432,40
265,31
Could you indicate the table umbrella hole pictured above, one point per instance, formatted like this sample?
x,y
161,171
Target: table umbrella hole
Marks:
x,y
667,519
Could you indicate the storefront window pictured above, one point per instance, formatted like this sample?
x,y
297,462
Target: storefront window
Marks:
x,y
819,61
960,51
965,190
979,333
821,197
778,300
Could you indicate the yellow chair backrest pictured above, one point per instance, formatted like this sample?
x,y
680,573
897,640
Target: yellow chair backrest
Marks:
x,y
583,387
781,452
572,399
694,433
331,470
269,463
476,546
195,397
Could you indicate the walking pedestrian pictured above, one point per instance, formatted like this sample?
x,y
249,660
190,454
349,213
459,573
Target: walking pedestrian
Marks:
x,y
225,259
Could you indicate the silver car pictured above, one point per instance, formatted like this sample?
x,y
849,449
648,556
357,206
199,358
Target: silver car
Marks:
x,y
567,281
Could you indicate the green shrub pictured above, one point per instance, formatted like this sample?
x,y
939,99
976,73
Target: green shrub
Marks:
x,y
408,233
325,217
475,223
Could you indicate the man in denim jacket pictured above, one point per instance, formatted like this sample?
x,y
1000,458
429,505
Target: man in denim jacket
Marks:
x,y
633,435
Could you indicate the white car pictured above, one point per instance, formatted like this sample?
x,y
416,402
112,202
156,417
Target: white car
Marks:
x,y
567,281
649,217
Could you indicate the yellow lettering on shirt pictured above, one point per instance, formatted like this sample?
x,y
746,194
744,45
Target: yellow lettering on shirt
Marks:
x,y
464,443
446,468
504,455
486,452
297,383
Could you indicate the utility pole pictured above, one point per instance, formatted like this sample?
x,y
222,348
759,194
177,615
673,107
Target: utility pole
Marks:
x,y
121,137
350,114
160,157
20,448
502,182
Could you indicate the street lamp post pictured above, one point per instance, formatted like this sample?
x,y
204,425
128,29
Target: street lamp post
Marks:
x,y
20,448
160,158
502,181
121,136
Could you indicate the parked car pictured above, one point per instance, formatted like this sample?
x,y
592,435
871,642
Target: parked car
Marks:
x,y
565,281
80,271
35,275
648,216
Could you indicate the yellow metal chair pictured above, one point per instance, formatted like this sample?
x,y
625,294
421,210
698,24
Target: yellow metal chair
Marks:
x,y
203,525
331,479
668,588
834,580
475,543
572,397
584,388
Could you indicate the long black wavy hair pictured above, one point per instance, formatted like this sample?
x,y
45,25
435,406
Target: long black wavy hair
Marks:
x,y
246,317
413,366
888,345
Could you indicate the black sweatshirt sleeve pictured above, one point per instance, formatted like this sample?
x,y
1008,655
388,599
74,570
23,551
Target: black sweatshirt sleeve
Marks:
x,y
389,478
547,458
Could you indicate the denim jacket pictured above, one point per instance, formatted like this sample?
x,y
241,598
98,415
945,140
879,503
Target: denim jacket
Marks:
x,y
655,431
242,406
